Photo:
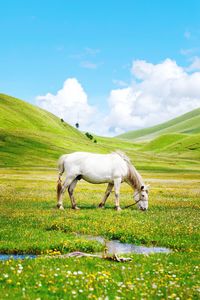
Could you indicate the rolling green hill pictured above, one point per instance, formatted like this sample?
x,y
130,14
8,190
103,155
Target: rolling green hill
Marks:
x,y
178,145
179,137
188,123
32,136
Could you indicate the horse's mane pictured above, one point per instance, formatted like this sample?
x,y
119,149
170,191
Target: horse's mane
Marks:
x,y
133,176
123,155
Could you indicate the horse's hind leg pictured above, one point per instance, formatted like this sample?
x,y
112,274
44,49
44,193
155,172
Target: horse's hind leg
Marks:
x,y
66,184
107,193
71,191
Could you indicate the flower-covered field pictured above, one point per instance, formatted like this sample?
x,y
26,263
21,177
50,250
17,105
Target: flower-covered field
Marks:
x,y
30,223
174,276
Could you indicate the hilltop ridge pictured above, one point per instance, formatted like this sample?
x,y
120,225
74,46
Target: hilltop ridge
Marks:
x,y
188,123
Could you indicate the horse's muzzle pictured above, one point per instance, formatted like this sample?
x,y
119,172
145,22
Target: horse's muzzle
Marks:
x,y
143,208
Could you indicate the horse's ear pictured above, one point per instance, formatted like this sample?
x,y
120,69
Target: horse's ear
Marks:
x,y
142,187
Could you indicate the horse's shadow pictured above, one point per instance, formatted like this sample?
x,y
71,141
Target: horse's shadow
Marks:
x,y
85,207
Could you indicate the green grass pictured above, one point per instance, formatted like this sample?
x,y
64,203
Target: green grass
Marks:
x,y
147,277
181,145
31,224
162,142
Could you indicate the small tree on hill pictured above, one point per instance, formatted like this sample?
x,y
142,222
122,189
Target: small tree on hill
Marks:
x,y
89,136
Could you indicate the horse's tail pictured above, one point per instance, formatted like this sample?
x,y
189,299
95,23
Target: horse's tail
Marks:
x,y
59,188
61,170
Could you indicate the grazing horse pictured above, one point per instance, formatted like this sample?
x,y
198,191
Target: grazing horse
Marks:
x,y
113,168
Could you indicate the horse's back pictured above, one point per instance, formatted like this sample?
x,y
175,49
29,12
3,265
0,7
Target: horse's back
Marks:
x,y
85,159
81,155
93,166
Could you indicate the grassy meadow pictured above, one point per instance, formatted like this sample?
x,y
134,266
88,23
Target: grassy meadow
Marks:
x,y
31,224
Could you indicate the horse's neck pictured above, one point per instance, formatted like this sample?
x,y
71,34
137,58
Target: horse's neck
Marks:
x,y
134,178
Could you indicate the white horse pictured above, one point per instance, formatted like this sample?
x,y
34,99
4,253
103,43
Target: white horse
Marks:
x,y
113,168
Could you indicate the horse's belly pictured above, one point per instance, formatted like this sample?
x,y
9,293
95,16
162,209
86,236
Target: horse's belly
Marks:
x,y
94,178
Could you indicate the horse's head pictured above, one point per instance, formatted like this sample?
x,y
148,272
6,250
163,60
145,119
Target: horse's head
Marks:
x,y
141,198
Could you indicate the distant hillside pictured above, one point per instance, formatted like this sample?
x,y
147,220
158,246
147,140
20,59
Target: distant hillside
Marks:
x,y
32,136
188,123
175,144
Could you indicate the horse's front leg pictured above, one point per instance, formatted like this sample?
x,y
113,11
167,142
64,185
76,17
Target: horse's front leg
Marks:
x,y
107,193
117,183
71,196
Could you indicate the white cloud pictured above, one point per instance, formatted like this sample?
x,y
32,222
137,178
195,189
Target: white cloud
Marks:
x,y
70,103
88,65
92,51
86,58
189,51
195,64
158,93
85,53
120,83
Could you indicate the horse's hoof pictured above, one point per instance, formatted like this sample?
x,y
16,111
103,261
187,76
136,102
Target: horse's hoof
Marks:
x,y
118,208
101,205
76,208
60,207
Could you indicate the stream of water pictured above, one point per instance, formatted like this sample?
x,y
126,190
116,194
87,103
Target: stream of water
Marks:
x,y
112,246
16,256
117,247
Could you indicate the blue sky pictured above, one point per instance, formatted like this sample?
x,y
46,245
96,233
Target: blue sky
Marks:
x,y
44,43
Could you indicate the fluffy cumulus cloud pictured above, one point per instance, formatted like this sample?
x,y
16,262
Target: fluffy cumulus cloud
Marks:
x,y
158,92
70,103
